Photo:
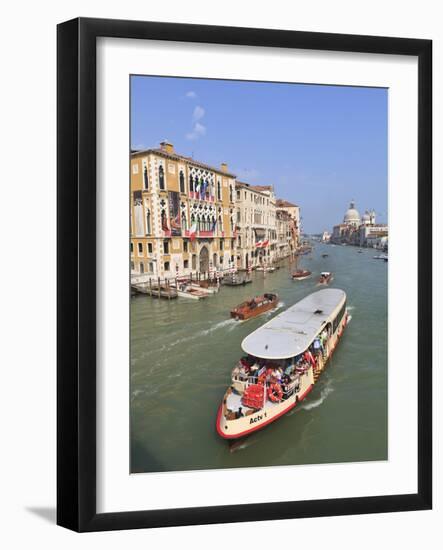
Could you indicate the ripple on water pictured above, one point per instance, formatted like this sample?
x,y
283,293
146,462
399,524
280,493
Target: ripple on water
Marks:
x,y
307,406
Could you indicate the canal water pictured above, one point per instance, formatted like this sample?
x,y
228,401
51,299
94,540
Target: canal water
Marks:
x,y
182,353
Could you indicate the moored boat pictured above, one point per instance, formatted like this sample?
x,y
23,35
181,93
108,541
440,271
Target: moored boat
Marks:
x,y
254,307
191,291
325,278
300,274
284,359
237,279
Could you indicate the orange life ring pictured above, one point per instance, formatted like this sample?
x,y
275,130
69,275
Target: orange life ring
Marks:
x,y
275,393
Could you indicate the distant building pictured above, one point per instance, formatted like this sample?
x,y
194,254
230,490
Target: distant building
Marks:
x,y
325,237
362,231
256,224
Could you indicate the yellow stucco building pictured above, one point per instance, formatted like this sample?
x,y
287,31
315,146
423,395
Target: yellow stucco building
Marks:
x,y
182,214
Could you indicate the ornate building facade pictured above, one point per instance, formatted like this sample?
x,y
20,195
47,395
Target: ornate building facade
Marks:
x,y
188,217
182,214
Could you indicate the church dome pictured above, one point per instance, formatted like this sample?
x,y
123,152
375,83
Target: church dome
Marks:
x,y
366,218
352,216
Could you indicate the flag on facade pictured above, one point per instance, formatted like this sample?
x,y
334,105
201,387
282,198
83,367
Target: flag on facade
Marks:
x,y
214,224
165,224
193,232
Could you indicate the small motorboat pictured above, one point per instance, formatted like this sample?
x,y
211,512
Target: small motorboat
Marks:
x,y
381,257
300,274
254,307
191,291
325,278
360,251
237,279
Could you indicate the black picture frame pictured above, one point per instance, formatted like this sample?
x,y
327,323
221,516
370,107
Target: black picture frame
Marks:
x,y
76,280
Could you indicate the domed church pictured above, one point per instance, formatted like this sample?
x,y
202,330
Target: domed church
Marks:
x,y
352,217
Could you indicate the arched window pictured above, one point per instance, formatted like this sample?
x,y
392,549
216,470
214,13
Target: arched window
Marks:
x,y
182,182
199,222
148,222
220,224
184,224
191,183
145,177
230,193
161,177
218,191
212,189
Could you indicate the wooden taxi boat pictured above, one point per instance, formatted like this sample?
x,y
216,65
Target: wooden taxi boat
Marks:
x,y
300,274
254,307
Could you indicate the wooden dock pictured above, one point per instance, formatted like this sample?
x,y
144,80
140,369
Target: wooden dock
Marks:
x,y
156,291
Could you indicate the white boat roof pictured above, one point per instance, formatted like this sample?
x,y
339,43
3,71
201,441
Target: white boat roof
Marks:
x,y
291,332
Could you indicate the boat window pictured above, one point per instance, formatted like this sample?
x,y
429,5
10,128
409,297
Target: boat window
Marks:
x,y
339,317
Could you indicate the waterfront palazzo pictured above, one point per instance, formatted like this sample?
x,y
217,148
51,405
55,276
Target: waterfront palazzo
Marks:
x,y
188,217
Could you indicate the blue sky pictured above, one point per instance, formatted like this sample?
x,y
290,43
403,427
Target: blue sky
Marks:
x,y
320,146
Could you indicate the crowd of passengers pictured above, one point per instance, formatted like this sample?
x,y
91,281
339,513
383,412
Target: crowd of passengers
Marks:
x,y
284,372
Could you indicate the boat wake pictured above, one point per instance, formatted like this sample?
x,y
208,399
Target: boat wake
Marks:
x,y
323,395
241,444
271,311
221,324
350,308
230,323
349,319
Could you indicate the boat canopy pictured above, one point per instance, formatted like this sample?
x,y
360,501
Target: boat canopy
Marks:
x,y
292,332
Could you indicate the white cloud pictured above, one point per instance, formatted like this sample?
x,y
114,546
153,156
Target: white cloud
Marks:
x,y
198,131
191,94
198,113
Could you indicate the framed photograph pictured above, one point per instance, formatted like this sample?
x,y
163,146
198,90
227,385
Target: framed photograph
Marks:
x,y
244,274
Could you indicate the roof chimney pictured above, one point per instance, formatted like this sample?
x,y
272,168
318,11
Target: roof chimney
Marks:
x,y
224,167
167,147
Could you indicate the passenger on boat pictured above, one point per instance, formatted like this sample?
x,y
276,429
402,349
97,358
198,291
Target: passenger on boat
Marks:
x,y
324,341
317,347
309,358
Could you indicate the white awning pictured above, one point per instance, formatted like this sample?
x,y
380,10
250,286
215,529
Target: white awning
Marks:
x,y
292,332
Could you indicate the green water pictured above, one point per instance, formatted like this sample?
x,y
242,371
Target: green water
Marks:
x,y
182,353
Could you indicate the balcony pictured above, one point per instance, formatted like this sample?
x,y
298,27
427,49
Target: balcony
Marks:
x,y
201,234
200,197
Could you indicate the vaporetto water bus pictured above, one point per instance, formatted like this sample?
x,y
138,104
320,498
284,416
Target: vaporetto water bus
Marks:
x,y
284,359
